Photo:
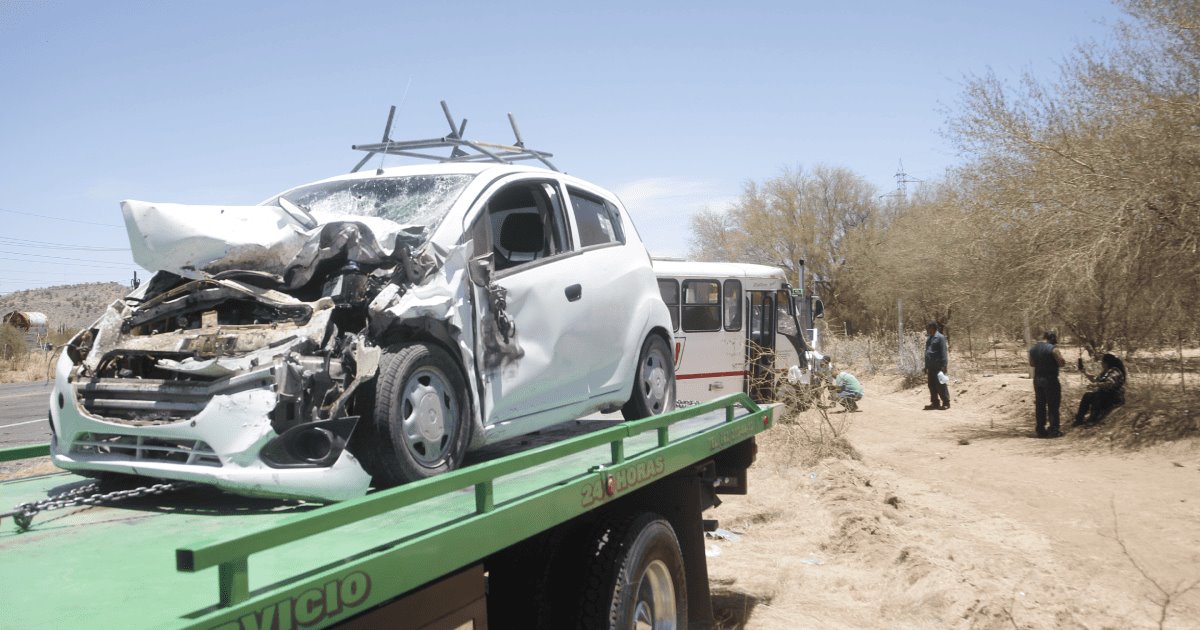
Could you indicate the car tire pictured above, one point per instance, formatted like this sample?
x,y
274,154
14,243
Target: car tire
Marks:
x,y
420,415
653,381
634,577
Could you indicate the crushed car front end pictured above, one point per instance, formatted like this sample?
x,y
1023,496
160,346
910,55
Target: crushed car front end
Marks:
x,y
215,381
248,360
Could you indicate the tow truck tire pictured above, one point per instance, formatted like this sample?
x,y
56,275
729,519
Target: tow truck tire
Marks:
x,y
421,415
635,577
653,381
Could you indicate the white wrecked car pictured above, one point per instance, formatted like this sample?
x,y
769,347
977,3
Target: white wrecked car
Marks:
x,y
368,325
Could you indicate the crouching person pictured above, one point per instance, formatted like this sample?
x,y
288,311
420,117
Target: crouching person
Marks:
x,y
1106,391
849,391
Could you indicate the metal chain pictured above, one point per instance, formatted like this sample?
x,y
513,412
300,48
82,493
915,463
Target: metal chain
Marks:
x,y
23,513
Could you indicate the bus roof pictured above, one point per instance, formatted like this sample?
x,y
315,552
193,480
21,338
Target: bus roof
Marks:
x,y
694,269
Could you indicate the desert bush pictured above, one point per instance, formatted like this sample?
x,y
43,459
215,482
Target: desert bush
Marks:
x,y
60,337
803,438
881,353
1156,410
12,344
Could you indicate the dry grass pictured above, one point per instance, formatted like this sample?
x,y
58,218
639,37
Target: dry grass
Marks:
x,y
869,355
28,367
1156,410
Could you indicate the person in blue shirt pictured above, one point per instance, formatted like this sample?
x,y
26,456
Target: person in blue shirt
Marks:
x,y
937,359
1045,360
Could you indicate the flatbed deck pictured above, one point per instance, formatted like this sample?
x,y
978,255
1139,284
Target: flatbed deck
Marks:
x,y
201,558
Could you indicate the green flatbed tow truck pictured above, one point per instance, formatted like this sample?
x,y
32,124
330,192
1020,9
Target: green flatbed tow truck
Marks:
x,y
601,530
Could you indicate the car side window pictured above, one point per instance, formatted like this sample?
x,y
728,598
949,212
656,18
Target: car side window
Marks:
x,y
523,223
670,295
701,306
598,220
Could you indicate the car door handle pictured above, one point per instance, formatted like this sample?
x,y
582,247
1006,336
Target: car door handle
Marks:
x,y
574,292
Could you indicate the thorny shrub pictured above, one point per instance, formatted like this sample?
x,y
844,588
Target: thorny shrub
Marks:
x,y
805,430
12,343
881,353
1157,409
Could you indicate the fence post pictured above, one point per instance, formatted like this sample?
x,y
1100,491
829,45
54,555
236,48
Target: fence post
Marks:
x,y
1179,348
1028,340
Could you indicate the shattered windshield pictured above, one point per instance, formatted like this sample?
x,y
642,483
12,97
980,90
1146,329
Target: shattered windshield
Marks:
x,y
408,200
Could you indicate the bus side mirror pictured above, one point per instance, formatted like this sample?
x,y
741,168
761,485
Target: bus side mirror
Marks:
x,y
818,308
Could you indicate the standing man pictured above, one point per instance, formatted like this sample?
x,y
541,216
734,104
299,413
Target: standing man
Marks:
x,y
937,359
1045,360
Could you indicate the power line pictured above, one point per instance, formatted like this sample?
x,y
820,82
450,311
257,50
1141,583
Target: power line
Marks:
x,y
87,260
20,242
16,281
67,264
46,216
29,271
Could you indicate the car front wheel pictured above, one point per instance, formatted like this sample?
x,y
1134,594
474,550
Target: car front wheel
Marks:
x,y
421,415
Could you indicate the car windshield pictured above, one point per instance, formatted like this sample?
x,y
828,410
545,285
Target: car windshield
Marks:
x,y
410,200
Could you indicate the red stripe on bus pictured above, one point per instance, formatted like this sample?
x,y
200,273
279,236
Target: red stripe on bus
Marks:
x,y
680,377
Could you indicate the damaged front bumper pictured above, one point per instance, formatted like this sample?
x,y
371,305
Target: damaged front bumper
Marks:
x,y
257,409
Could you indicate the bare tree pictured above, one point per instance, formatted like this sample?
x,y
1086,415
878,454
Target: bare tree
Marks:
x,y
1090,185
812,215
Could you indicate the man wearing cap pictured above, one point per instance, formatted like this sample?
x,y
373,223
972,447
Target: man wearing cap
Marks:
x,y
937,358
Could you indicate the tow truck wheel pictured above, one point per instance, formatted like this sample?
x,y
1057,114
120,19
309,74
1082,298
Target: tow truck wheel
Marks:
x,y
420,415
653,381
636,578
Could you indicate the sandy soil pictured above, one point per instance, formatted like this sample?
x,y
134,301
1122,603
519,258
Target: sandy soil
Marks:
x,y
961,519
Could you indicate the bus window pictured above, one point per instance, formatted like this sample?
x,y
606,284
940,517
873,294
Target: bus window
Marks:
x,y
670,295
701,306
733,305
785,321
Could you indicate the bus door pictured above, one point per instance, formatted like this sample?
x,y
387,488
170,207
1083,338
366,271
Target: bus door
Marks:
x,y
790,346
760,344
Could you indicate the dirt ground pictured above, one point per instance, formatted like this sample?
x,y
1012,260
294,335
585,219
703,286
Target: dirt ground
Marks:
x,y
962,519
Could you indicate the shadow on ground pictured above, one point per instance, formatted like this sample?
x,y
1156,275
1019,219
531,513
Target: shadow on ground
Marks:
x,y
732,608
1131,427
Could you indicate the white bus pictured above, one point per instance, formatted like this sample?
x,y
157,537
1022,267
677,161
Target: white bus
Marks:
x,y
738,327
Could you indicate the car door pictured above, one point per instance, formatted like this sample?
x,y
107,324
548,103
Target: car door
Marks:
x,y
606,277
521,223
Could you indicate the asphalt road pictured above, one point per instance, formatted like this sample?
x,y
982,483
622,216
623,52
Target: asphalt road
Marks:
x,y
23,408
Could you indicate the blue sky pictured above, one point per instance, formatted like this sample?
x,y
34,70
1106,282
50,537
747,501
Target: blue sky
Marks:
x,y
673,105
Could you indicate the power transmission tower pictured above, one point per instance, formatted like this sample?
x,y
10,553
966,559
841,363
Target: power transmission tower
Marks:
x,y
903,179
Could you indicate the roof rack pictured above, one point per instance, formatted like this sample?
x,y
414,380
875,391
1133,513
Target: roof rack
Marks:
x,y
461,150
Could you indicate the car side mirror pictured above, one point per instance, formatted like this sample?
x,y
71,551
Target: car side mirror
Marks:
x,y
818,308
479,269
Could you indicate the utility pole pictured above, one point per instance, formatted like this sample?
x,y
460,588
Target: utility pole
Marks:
x,y
900,330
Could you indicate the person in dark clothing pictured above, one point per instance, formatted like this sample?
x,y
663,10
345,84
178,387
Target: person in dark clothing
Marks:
x,y
1045,359
1106,391
937,359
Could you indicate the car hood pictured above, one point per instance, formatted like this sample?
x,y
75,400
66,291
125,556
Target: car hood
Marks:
x,y
197,241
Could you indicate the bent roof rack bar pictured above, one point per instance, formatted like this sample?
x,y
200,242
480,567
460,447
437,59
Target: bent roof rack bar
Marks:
x,y
461,149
